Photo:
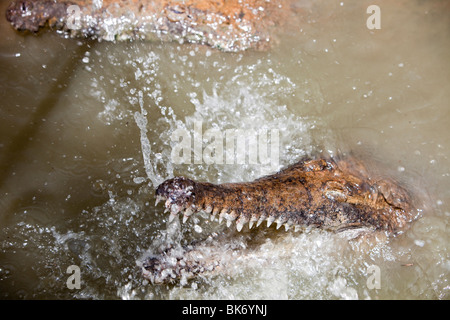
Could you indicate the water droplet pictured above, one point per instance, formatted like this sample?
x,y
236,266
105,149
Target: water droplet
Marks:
x,y
198,229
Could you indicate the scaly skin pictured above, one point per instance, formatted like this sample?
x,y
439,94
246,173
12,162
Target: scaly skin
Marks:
x,y
320,193
230,25
324,193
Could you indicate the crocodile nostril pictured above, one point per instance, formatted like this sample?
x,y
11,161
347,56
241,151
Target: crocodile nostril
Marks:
x,y
26,6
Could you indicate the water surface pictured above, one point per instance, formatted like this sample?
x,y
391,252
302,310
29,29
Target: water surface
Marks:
x,y
86,137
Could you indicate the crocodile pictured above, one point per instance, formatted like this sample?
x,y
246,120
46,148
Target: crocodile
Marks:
x,y
327,193
230,25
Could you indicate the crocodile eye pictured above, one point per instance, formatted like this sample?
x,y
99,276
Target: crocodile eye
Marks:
x,y
334,190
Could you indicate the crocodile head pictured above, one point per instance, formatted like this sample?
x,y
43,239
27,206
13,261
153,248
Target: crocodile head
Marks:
x,y
229,25
322,193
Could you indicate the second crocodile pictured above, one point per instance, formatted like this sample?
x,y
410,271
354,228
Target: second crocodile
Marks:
x,y
231,25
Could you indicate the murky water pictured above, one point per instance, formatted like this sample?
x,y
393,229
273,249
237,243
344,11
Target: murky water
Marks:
x,y
86,133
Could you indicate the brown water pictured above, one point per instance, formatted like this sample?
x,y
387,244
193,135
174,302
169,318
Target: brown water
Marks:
x,y
86,137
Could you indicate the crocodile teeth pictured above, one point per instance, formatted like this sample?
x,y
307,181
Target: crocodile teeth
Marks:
x,y
174,209
229,216
261,219
158,199
222,214
189,211
270,220
280,222
240,223
288,224
214,213
253,219
208,209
